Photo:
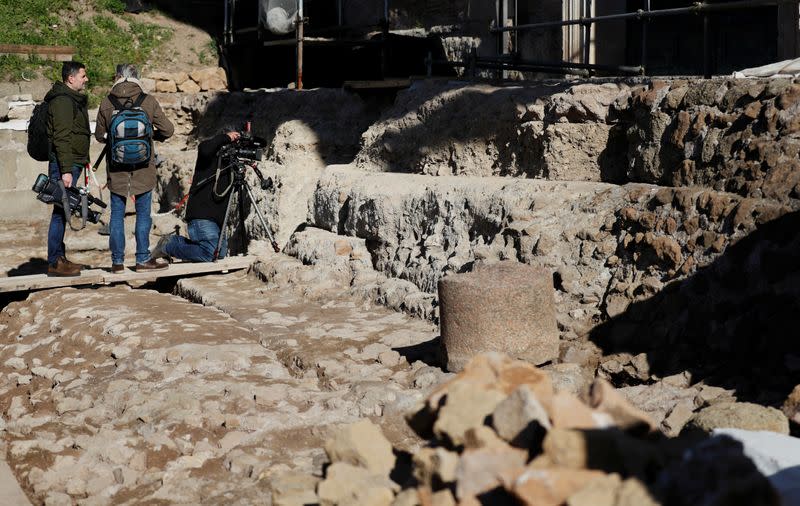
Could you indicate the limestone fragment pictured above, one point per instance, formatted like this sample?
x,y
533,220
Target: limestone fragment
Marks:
x,y
362,444
740,415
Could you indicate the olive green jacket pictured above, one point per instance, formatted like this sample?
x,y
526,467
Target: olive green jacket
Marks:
x,y
67,126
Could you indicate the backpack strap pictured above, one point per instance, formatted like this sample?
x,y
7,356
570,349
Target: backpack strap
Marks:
x,y
118,106
140,100
115,103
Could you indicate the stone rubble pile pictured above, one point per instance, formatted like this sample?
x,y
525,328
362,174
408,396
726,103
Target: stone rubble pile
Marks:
x,y
500,433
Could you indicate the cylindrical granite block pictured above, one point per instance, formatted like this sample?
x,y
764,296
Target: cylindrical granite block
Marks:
x,y
506,307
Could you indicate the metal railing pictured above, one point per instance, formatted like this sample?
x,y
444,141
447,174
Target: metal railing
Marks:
x,y
643,15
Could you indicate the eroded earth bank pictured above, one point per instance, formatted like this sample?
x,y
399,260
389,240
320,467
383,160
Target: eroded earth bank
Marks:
x,y
666,211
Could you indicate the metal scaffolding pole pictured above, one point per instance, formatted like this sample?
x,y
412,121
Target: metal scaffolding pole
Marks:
x,y
299,33
696,8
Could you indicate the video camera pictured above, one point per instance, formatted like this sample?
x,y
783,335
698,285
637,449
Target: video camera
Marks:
x,y
49,192
247,147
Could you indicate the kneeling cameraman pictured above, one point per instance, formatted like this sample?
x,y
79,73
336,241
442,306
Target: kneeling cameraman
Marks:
x,y
205,211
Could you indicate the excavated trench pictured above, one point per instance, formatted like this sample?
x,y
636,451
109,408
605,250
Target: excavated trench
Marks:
x,y
666,210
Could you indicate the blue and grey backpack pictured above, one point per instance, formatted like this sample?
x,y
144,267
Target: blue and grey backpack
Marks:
x,y
130,134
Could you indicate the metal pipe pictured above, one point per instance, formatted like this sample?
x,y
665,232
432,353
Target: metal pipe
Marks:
x,y
587,31
299,33
698,7
645,22
225,24
514,65
339,4
706,49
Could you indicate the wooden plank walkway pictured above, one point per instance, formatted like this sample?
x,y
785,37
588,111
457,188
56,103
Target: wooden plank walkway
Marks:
x,y
105,277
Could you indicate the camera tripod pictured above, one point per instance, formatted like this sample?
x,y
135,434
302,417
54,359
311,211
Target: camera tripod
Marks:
x,y
241,188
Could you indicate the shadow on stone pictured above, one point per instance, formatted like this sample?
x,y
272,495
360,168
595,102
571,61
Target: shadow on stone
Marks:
x,y
32,266
428,352
733,323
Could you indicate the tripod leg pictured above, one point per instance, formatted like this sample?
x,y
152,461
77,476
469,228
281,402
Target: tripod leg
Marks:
x,y
224,225
242,230
261,217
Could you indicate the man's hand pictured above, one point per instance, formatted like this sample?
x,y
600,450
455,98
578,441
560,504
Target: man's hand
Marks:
x,y
234,136
67,178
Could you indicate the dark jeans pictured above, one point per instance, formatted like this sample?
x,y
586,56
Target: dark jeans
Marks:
x,y
58,220
200,246
116,228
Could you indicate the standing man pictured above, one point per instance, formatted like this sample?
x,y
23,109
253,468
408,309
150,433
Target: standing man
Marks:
x,y
68,132
137,180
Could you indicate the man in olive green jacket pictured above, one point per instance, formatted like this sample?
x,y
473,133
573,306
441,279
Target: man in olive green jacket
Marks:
x,y
68,132
123,181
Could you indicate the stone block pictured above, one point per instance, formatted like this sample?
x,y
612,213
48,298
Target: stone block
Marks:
x,y
740,415
598,492
347,484
189,86
506,307
362,444
791,407
521,419
550,487
581,152
466,407
20,112
294,489
148,85
166,87
481,470
3,109
604,397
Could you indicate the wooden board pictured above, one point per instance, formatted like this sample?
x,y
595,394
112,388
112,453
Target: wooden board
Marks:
x,y
372,85
57,53
105,277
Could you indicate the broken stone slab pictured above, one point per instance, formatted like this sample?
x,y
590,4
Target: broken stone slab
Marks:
x,y
791,407
549,487
465,407
604,397
362,444
481,470
346,484
294,489
506,307
740,415
521,419
432,464
601,491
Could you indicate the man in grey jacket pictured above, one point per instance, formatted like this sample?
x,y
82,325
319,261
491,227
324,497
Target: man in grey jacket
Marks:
x,y
124,180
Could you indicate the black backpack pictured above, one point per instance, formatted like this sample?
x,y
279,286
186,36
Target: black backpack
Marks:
x,y
38,142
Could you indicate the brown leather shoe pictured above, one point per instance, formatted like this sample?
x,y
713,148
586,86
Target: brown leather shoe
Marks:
x,y
80,267
63,268
117,268
151,265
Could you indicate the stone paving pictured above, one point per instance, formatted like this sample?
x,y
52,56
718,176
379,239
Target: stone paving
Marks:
x,y
119,396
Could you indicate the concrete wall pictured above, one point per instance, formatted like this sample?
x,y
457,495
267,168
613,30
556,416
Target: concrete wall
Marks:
x,y
18,171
